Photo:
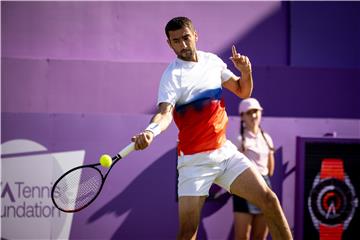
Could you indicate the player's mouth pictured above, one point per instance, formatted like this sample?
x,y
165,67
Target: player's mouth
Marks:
x,y
186,52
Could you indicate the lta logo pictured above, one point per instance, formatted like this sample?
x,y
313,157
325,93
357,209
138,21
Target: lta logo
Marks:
x,y
29,172
7,190
27,201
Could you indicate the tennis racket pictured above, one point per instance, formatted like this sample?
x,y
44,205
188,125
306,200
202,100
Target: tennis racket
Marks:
x,y
78,188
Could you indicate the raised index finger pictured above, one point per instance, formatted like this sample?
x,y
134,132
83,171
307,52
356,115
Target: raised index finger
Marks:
x,y
233,49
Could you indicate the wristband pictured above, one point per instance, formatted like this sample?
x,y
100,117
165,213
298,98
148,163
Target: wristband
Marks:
x,y
154,128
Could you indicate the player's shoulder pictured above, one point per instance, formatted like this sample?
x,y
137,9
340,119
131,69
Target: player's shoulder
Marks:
x,y
170,72
210,57
172,67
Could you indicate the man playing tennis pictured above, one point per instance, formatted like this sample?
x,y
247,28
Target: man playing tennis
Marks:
x,y
191,92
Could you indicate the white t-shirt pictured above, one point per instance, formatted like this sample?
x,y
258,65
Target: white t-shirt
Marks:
x,y
195,89
183,82
256,149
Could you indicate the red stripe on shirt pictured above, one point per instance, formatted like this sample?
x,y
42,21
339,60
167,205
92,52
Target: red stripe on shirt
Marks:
x,y
202,126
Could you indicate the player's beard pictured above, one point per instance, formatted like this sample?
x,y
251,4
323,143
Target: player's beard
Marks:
x,y
186,55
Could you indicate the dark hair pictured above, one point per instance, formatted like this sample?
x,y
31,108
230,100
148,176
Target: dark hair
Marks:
x,y
178,23
242,147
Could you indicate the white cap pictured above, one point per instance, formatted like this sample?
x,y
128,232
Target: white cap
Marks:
x,y
249,103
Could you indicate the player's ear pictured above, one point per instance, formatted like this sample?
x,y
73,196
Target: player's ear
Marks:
x,y
196,35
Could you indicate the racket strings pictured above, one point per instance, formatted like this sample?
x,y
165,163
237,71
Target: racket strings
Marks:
x,y
77,188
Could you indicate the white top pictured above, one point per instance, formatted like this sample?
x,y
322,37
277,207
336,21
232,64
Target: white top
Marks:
x,y
195,89
184,81
257,150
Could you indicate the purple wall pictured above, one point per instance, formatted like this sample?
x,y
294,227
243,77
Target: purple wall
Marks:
x,y
124,31
141,188
325,34
78,86
80,52
139,197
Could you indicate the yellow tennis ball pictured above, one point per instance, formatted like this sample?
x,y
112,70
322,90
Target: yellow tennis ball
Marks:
x,y
105,160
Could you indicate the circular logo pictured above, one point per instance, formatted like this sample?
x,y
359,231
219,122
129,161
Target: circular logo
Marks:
x,y
331,201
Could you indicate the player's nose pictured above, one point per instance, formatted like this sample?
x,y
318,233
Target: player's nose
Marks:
x,y
183,44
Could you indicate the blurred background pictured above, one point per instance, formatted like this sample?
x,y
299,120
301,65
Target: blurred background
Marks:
x,y
78,79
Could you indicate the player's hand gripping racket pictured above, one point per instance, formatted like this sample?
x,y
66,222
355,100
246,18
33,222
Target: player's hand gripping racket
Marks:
x,y
80,186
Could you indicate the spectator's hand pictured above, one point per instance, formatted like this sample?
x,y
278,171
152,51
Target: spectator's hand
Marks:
x,y
143,140
241,62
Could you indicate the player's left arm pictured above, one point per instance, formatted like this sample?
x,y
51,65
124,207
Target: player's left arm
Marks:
x,y
240,86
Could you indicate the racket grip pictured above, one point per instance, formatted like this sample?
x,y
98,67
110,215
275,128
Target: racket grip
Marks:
x,y
128,149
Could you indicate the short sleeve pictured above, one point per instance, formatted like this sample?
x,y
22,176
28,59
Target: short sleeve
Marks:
x,y
226,73
167,91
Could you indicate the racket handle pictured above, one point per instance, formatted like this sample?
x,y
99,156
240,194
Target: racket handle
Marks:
x,y
128,149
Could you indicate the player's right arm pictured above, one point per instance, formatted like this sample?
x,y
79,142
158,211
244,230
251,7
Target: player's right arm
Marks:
x,y
159,122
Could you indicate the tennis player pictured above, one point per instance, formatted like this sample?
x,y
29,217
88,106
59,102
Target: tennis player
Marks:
x,y
190,92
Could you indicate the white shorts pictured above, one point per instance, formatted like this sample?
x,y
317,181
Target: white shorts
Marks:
x,y
197,172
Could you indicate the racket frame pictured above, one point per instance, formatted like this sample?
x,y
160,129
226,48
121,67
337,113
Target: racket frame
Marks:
x,y
123,153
